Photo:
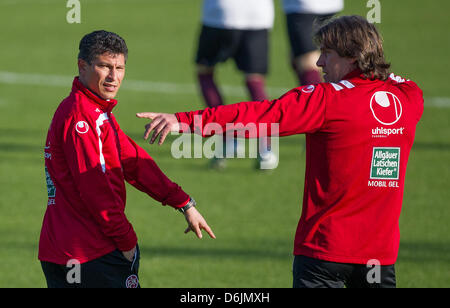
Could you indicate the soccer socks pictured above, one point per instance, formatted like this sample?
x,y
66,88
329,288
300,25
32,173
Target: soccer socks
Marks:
x,y
256,88
266,158
213,97
211,93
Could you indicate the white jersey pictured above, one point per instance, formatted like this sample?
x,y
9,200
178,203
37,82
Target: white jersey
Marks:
x,y
313,6
238,14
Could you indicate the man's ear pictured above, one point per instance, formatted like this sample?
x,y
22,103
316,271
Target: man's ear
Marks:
x,y
82,65
353,62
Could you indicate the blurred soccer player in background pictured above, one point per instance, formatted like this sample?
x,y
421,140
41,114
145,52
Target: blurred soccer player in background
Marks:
x,y
238,30
360,126
88,158
301,18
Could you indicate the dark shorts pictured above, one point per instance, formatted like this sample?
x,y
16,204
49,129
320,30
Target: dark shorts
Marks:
x,y
112,270
300,29
248,48
314,273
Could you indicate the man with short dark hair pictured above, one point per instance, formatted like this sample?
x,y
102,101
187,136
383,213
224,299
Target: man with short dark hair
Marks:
x,y
88,158
360,126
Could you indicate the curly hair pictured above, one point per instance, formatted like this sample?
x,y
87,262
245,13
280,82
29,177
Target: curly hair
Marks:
x,y
355,37
99,42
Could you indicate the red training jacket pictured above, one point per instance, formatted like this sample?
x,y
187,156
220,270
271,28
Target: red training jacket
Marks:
x,y
359,134
87,160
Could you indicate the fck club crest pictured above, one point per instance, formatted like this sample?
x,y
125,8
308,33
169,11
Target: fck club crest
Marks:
x,y
132,282
386,107
308,89
82,127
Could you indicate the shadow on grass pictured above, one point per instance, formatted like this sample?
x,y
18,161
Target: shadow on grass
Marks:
x,y
20,148
215,253
433,146
416,252
20,135
24,132
421,252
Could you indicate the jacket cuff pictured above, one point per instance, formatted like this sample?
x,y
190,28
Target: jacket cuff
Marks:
x,y
183,118
181,204
126,242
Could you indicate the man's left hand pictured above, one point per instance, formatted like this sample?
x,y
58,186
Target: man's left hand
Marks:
x,y
196,223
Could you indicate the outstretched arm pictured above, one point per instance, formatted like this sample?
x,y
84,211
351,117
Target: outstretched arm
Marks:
x,y
142,172
301,110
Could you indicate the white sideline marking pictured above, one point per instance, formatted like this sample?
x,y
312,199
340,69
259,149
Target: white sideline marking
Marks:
x,y
162,87
128,84
438,102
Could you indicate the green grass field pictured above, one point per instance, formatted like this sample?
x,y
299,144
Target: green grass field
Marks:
x,y
253,214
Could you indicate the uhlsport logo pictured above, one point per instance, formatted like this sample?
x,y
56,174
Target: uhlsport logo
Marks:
x,y
386,107
82,127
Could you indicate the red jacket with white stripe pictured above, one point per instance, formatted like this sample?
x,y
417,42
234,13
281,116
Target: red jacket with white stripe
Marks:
x,y
88,158
359,134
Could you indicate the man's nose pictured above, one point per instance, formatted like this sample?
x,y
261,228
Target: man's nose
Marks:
x,y
320,62
112,74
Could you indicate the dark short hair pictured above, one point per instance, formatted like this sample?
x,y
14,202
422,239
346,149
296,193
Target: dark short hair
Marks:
x,y
99,42
355,37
